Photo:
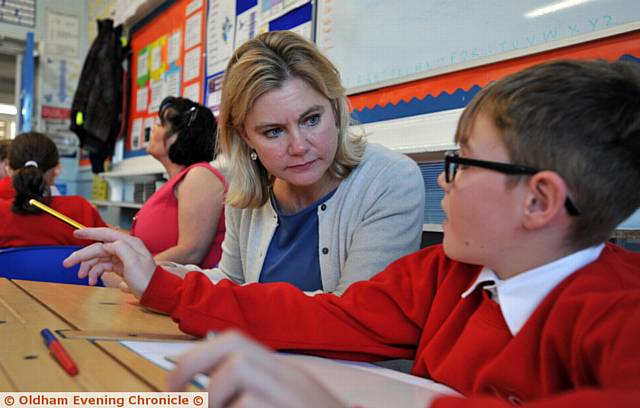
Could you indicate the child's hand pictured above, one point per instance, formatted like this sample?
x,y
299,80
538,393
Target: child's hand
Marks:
x,y
112,280
118,252
243,373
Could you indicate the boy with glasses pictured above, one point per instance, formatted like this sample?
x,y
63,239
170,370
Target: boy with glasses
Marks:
x,y
524,302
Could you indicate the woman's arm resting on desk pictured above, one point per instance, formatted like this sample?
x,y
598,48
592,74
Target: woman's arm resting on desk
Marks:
x,y
117,252
200,204
243,373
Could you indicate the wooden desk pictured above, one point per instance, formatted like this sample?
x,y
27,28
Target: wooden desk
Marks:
x,y
25,363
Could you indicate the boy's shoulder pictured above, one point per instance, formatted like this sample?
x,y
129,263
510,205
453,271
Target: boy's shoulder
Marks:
x,y
607,287
591,308
432,266
616,269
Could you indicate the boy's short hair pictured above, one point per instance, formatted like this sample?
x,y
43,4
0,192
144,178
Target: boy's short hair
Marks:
x,y
580,119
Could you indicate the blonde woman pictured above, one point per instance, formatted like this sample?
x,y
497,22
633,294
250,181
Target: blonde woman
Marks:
x,y
309,203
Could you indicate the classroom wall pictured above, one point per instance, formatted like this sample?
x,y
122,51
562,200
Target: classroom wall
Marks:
x,y
55,75
69,7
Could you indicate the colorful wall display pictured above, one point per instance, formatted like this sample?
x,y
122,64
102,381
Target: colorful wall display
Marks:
x,y
183,47
167,60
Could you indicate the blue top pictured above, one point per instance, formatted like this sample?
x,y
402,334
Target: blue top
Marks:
x,y
293,252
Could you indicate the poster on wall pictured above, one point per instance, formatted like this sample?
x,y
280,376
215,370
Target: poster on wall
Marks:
x,y
192,91
146,132
136,133
246,25
193,31
214,93
221,22
174,47
192,64
62,35
59,79
231,23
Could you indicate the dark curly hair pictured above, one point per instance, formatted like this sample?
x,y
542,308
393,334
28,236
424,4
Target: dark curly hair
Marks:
x,y
195,126
29,181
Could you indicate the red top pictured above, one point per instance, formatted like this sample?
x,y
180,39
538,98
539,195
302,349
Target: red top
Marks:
x,y
156,224
578,348
6,189
44,229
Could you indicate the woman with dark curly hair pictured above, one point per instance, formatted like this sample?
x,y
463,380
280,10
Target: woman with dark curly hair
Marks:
x,y
183,221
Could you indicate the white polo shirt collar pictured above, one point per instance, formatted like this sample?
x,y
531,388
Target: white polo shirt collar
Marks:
x,y
520,295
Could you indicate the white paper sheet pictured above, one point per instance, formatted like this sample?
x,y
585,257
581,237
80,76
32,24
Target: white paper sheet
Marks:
x,y
172,83
148,124
142,99
358,384
192,92
143,64
157,94
136,133
193,6
173,47
193,31
246,26
220,34
156,57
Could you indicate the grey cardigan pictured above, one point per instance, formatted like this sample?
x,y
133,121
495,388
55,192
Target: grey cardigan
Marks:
x,y
374,218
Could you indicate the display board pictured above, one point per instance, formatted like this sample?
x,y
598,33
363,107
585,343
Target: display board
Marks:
x,y
166,59
182,48
375,43
231,23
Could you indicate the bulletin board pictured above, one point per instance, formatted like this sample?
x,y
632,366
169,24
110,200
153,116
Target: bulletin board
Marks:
x,y
166,59
231,23
183,47
376,43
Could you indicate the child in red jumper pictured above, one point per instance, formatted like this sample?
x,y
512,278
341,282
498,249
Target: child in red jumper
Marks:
x,y
524,302
34,164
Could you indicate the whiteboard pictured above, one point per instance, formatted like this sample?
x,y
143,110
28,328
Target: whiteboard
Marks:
x,y
376,43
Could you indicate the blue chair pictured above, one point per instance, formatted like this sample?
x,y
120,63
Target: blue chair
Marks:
x,y
40,263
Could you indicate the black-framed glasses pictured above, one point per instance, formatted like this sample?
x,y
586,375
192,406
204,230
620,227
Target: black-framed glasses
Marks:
x,y
452,160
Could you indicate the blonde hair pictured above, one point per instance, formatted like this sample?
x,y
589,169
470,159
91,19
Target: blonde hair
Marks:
x,y
261,65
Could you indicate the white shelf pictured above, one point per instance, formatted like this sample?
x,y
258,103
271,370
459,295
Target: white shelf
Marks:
x,y
139,166
124,174
121,204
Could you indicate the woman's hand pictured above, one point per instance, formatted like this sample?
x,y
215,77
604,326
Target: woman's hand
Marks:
x,y
118,252
243,373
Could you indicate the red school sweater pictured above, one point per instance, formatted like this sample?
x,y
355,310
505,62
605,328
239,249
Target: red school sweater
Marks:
x,y
18,230
6,189
580,346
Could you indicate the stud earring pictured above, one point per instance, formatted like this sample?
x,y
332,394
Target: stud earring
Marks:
x,y
253,155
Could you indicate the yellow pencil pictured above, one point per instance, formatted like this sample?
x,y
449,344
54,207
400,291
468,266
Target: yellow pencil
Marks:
x,y
56,214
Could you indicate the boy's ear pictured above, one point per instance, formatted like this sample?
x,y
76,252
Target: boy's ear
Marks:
x,y
545,199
